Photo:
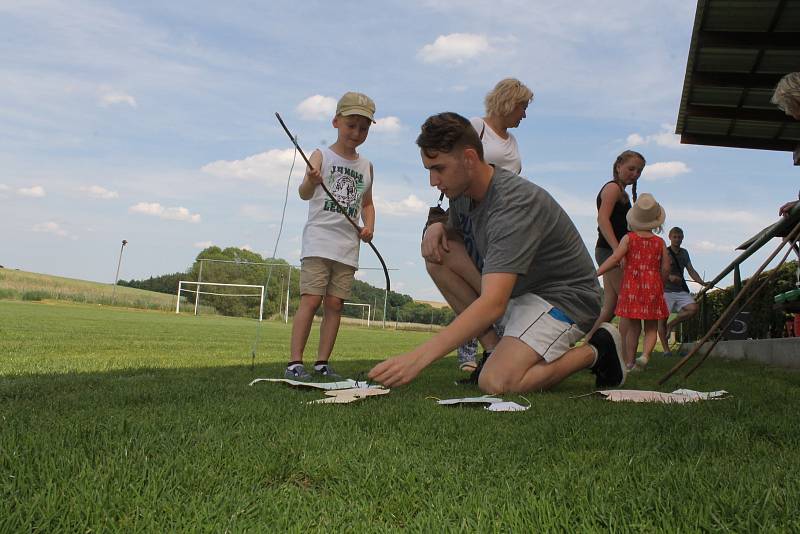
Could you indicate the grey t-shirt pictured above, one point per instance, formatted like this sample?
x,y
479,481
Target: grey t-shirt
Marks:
x,y
519,228
677,270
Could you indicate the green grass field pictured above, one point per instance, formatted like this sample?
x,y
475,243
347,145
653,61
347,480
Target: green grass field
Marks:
x,y
140,421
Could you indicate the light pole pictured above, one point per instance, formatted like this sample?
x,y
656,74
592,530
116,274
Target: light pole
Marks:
x,y
116,278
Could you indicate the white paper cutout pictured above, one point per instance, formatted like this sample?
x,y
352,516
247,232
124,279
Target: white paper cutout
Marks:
x,y
327,386
506,406
486,399
679,396
344,396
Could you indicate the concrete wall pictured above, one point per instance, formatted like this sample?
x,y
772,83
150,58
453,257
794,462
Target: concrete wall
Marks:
x,y
783,352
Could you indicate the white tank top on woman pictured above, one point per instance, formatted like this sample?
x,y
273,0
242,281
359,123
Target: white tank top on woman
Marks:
x,y
499,152
327,233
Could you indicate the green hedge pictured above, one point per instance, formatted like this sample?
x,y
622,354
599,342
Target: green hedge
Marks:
x,y
764,322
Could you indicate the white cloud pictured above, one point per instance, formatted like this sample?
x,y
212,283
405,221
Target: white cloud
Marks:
x,y
407,206
203,244
37,191
665,138
4,187
714,215
246,247
664,170
171,214
360,275
271,167
317,108
112,97
255,212
712,247
455,47
95,191
387,125
50,227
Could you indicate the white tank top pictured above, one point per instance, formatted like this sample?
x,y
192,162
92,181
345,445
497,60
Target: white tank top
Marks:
x,y
499,152
327,233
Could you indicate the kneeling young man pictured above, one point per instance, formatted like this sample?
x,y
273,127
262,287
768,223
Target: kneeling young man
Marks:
x,y
538,279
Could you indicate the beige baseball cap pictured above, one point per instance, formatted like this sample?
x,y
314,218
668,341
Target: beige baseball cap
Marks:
x,y
356,104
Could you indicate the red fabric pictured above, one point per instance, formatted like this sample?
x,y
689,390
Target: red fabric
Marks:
x,y
641,295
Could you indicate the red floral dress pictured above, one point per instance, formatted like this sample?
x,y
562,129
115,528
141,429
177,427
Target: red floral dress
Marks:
x,y
641,295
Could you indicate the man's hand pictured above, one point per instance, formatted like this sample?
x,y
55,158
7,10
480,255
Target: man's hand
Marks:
x,y
396,371
366,234
786,208
434,243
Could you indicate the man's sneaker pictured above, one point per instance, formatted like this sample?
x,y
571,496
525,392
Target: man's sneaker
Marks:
x,y
642,362
472,379
609,367
326,371
298,372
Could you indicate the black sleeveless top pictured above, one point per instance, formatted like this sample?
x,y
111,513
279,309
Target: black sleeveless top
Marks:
x,y
619,221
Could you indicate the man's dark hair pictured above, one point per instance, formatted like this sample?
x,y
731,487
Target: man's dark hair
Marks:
x,y
446,132
675,230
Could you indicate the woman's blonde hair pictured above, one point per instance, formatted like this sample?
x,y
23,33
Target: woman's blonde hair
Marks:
x,y
509,92
787,93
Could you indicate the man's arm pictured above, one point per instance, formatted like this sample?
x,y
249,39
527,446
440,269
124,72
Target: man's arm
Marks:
x,y
475,320
694,275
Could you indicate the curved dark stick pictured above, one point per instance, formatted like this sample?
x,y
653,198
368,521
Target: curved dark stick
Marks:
x,y
341,208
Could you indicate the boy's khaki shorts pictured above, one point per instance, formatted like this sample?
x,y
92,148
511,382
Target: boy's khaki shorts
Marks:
x,y
321,276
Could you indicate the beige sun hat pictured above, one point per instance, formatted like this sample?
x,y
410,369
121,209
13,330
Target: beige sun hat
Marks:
x,y
646,213
356,104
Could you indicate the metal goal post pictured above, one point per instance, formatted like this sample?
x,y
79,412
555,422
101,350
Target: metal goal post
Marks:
x,y
197,290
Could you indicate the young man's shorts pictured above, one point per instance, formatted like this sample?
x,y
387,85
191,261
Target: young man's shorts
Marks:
x,y
544,328
321,276
677,300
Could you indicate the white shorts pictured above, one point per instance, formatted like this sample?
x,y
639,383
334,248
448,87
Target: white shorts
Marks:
x,y
677,300
535,322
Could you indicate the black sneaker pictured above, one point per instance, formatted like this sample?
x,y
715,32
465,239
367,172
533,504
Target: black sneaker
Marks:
x,y
609,368
472,379
326,371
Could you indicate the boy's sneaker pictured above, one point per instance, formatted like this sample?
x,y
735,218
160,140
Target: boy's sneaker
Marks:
x,y
472,379
609,367
326,371
297,372
641,362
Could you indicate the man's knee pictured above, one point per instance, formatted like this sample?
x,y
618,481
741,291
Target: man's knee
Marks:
x,y
495,383
690,309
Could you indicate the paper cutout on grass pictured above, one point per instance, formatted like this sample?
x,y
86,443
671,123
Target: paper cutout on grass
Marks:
x,y
679,396
345,396
493,404
327,386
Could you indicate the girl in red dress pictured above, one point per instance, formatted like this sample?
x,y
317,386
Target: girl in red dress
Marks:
x,y
645,266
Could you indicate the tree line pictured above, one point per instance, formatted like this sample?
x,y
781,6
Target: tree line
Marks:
x,y
239,266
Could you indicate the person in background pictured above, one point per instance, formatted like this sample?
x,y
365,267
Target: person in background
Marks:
x,y
613,204
787,98
641,295
676,293
506,106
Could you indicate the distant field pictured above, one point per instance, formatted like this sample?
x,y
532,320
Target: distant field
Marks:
x,y
22,285
119,420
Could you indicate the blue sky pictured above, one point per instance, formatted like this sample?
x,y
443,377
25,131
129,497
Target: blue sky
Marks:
x,y
154,122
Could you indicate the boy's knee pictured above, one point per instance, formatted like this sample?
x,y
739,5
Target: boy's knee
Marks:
x,y
334,304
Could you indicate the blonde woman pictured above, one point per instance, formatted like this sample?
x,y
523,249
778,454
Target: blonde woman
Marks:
x,y
506,106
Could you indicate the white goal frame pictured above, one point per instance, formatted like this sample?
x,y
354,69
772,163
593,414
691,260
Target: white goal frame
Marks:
x,y
198,292
369,308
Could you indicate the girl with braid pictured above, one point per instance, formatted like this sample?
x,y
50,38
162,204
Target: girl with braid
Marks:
x,y
613,204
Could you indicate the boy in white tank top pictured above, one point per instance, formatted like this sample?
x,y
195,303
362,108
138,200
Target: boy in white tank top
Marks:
x,y
329,256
